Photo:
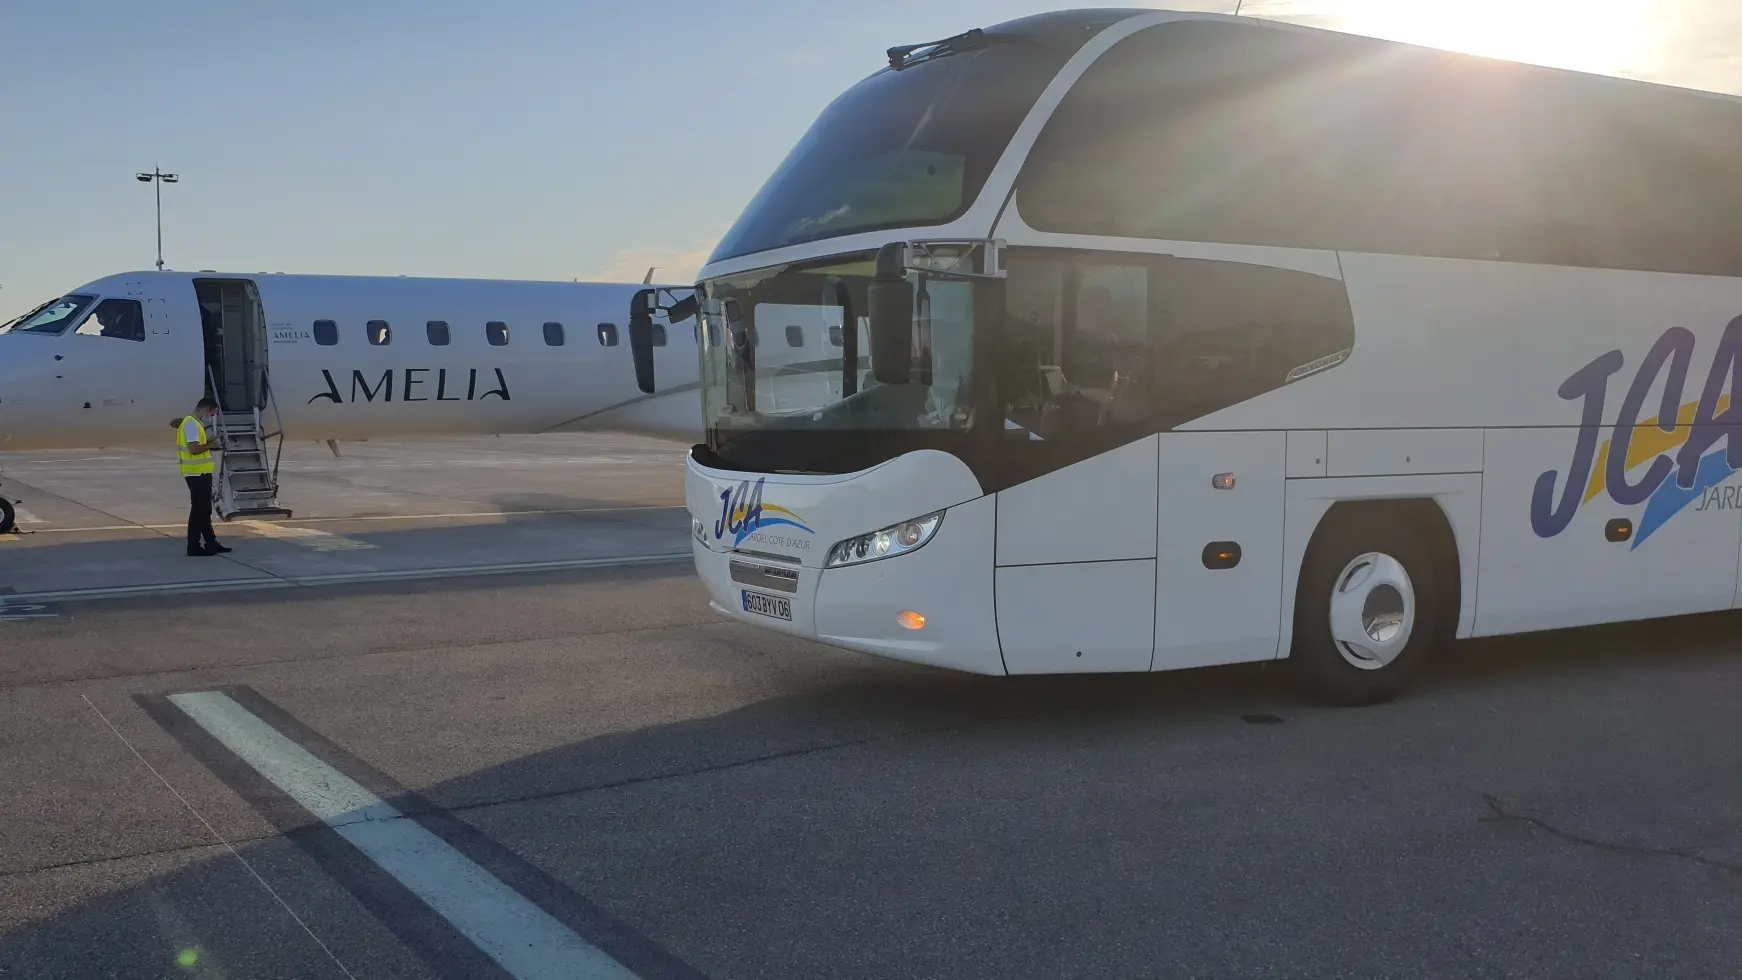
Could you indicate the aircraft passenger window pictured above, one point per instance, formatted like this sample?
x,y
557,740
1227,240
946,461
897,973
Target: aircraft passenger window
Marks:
x,y
438,332
607,335
553,335
326,333
794,336
380,333
497,333
122,319
834,336
659,335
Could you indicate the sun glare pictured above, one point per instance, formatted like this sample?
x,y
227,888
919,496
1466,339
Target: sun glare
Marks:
x,y
1603,36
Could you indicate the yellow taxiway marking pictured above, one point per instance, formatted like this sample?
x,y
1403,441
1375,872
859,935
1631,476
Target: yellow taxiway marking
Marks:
x,y
312,538
376,517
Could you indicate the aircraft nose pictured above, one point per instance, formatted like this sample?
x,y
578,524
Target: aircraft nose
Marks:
x,y
8,400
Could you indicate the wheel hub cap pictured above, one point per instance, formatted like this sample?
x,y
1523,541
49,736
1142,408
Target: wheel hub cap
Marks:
x,y
1372,610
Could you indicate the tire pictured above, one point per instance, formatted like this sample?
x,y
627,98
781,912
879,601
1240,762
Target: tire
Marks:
x,y
1368,578
8,517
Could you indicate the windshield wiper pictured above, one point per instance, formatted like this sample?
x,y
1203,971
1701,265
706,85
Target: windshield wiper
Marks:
x,y
908,55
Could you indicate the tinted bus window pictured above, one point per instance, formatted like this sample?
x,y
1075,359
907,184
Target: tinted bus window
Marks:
x,y
1242,133
903,147
1099,349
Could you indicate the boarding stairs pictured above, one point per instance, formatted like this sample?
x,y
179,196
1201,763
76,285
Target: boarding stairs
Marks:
x,y
246,485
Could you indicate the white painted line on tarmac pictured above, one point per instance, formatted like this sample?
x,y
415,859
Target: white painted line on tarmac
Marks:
x,y
521,937
23,516
260,582
19,611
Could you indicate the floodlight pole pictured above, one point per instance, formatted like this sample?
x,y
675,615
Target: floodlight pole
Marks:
x,y
157,178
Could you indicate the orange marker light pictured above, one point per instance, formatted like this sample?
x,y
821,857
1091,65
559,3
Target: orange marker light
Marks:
x,y
910,620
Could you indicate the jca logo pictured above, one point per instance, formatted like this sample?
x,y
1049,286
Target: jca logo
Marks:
x,y
742,514
1692,430
740,509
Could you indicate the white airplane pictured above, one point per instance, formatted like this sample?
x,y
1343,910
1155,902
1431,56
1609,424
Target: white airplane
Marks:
x,y
349,358
336,358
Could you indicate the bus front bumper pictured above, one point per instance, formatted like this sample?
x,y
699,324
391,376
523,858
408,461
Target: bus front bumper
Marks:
x,y
933,606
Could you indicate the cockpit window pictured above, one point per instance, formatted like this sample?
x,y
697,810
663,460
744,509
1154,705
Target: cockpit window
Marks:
x,y
50,318
121,319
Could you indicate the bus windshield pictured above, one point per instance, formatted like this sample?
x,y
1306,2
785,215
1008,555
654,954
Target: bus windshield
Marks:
x,y
787,379
906,147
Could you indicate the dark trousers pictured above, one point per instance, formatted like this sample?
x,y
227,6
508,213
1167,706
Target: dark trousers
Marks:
x,y
200,533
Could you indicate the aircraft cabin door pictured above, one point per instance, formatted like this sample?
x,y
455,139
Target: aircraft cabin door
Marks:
x,y
237,350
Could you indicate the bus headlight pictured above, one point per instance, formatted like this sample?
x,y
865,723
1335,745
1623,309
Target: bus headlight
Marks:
x,y
897,539
698,531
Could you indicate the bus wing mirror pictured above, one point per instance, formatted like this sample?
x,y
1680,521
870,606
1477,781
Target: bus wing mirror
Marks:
x,y
889,303
682,310
641,338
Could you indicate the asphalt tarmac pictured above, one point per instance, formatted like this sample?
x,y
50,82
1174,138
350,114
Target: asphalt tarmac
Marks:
x,y
113,522
584,773
413,770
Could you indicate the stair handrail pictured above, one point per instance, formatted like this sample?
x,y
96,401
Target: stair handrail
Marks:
x,y
278,420
223,461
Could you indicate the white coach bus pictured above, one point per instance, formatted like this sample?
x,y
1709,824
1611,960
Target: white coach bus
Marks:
x,y
1194,340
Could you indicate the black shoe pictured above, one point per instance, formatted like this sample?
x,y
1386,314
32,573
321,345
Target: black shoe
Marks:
x,y
217,549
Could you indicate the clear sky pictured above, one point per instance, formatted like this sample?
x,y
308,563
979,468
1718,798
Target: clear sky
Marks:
x,y
539,139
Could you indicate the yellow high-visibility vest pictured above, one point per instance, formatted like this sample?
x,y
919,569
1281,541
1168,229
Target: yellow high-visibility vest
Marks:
x,y
192,464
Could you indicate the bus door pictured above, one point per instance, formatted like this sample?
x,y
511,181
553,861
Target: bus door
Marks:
x,y
1075,554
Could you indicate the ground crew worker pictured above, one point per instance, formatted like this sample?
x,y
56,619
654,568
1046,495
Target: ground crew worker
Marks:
x,y
194,453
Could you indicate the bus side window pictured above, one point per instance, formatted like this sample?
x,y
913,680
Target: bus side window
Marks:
x,y
1099,351
1077,372
1212,131
1228,332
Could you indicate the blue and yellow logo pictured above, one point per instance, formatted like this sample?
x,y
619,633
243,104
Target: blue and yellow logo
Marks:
x,y
1686,451
1648,444
742,513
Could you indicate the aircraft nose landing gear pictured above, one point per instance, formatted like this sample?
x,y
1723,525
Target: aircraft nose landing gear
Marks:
x,y
8,517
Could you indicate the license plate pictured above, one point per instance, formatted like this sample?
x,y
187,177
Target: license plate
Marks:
x,y
771,606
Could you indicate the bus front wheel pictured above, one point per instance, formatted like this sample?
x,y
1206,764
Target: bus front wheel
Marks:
x,y
1365,610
